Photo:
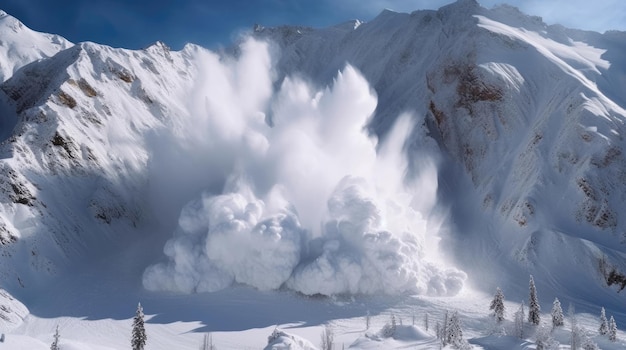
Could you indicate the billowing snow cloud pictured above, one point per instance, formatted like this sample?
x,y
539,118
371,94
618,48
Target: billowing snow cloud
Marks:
x,y
225,238
310,201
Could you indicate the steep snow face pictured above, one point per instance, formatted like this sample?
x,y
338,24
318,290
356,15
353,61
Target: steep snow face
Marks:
x,y
74,169
20,45
531,112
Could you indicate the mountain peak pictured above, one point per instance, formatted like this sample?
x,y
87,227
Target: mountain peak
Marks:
x,y
461,5
20,45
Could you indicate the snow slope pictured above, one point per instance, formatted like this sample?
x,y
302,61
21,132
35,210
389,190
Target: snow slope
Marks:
x,y
437,153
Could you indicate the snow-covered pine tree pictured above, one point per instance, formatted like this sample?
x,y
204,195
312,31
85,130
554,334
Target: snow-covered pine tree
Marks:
x,y
55,342
454,334
604,324
533,304
497,305
612,330
139,337
557,313
426,321
518,322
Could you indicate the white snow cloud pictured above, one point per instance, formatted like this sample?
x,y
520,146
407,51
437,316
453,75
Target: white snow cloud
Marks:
x,y
312,203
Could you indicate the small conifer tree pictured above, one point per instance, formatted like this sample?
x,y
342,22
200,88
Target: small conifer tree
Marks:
x,y
604,324
557,313
139,337
497,305
533,304
55,342
454,334
612,330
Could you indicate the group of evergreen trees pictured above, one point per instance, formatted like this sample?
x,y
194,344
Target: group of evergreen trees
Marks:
x,y
607,328
449,333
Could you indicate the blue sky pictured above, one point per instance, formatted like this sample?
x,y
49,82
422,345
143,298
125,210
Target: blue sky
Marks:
x,y
137,23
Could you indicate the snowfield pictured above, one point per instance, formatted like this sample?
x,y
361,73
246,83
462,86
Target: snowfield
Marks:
x,y
315,180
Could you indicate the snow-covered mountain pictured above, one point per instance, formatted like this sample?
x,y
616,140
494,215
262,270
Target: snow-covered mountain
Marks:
x,y
416,153
534,114
21,46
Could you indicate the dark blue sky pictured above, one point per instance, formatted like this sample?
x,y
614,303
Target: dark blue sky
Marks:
x,y
138,23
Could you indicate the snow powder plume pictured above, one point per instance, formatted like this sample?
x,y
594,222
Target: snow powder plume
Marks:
x,y
309,200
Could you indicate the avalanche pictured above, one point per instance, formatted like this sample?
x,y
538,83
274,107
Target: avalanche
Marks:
x,y
269,227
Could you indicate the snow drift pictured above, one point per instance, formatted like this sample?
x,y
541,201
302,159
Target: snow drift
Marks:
x,y
312,201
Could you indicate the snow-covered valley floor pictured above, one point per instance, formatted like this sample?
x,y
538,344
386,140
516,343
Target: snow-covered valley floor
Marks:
x,y
95,313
